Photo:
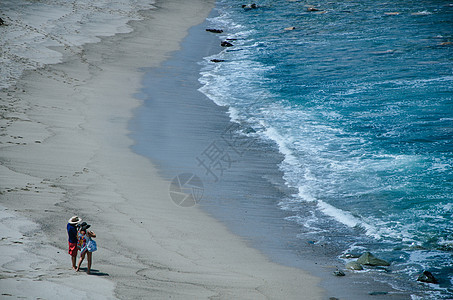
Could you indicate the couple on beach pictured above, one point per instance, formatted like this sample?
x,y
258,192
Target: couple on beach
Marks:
x,y
80,238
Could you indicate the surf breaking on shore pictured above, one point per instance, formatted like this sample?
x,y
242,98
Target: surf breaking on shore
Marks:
x,y
65,151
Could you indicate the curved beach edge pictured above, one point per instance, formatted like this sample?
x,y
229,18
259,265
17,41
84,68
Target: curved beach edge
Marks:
x,y
66,151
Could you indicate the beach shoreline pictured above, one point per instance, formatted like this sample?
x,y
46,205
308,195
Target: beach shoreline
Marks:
x,y
66,150
244,189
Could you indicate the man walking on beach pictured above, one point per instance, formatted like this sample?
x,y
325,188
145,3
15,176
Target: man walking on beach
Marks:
x,y
72,239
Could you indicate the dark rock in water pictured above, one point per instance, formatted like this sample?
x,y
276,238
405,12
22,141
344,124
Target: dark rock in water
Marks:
x,y
338,272
1,21
217,60
350,255
214,30
377,293
370,260
251,6
353,265
427,277
311,8
333,298
249,130
414,246
226,44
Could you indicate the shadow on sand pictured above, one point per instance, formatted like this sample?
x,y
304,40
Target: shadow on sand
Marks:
x,y
94,272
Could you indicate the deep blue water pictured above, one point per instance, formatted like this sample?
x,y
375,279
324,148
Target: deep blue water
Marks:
x,y
359,99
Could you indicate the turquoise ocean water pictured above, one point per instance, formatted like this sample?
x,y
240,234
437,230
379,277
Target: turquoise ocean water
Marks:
x,y
359,99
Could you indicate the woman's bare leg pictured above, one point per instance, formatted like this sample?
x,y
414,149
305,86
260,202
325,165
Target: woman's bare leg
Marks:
x,y
82,257
89,256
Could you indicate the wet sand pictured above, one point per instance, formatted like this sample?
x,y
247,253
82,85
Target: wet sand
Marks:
x,y
65,151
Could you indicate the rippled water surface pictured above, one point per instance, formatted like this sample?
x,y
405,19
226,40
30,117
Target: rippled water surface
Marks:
x,y
359,99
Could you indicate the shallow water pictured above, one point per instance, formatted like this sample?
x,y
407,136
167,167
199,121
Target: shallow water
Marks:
x,y
358,99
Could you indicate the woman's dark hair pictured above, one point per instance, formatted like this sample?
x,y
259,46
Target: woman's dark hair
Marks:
x,y
79,226
84,227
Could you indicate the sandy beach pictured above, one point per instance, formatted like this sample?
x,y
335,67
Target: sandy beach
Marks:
x,y
65,151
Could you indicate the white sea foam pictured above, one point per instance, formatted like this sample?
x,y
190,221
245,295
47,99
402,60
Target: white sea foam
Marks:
x,y
422,13
34,27
305,165
281,141
349,139
339,215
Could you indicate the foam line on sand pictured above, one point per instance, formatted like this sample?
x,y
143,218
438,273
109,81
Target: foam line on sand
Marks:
x,y
65,151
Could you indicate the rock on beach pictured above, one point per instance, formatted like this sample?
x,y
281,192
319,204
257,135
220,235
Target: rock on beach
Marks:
x,y
226,44
214,30
353,265
427,277
370,260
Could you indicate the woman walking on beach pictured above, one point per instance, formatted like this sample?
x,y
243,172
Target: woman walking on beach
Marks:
x,y
86,245
72,239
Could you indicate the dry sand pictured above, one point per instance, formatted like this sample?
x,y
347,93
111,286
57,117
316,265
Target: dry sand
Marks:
x,y
65,151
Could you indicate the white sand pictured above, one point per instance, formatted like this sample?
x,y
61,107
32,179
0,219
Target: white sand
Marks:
x,y
32,268
33,28
65,151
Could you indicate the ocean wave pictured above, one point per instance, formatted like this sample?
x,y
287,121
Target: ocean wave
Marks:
x,y
364,138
